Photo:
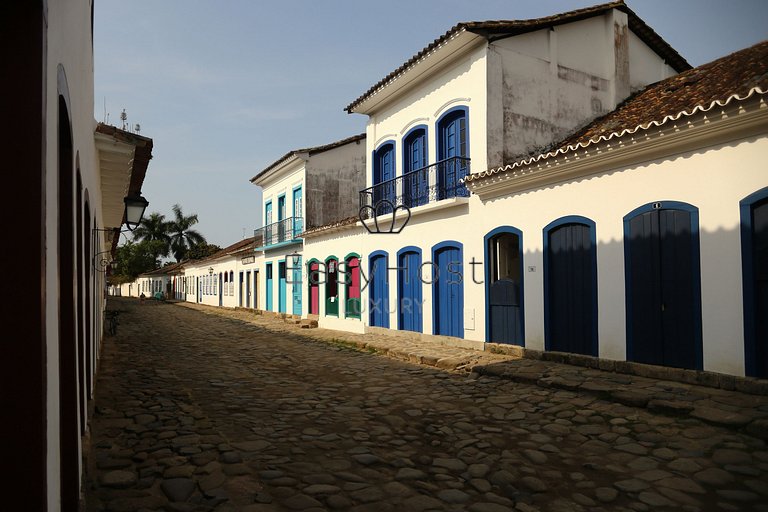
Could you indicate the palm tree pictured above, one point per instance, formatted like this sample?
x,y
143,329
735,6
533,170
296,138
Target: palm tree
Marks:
x,y
155,228
182,237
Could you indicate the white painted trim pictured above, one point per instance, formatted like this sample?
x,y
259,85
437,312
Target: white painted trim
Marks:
x,y
415,122
735,122
447,104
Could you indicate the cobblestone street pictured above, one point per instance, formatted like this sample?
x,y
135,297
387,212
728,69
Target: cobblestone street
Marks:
x,y
197,409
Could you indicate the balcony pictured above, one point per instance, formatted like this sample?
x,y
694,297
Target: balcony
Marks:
x,y
283,232
441,180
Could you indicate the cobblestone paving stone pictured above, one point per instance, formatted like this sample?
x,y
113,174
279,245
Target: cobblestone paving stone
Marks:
x,y
199,409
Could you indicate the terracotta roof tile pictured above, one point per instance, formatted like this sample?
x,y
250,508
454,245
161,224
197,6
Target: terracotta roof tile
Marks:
x,y
734,74
492,28
348,221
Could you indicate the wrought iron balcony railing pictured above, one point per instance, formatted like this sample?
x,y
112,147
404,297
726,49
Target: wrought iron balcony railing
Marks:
x,y
286,230
429,184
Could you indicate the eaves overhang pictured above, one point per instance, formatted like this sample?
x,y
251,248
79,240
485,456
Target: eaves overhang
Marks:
x,y
435,59
289,163
429,58
734,118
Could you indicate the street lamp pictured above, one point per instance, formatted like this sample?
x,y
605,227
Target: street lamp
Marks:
x,y
210,271
295,258
135,206
133,212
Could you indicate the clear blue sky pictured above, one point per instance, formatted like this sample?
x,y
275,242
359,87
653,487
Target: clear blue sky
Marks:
x,y
227,87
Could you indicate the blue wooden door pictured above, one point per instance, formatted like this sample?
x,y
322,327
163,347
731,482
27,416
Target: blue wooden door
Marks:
x,y
269,282
383,172
663,302
453,147
409,301
221,286
378,292
241,290
448,292
570,290
281,287
756,290
296,287
416,175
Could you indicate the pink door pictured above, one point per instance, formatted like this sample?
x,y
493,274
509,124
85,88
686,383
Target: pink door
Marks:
x,y
314,288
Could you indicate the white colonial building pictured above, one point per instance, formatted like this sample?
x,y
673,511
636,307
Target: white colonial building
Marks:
x,y
304,189
554,184
73,175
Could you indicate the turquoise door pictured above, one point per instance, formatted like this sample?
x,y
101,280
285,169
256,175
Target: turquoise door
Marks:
x,y
296,287
298,210
281,287
269,286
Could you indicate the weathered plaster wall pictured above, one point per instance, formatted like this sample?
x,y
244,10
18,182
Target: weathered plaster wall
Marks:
x,y
551,82
334,180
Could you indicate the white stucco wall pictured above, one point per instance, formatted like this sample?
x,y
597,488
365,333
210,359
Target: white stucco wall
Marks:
x,y
234,296
714,179
462,84
68,45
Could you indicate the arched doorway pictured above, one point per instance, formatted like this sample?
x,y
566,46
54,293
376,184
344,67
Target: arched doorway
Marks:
x,y
332,286
378,289
504,286
313,279
754,257
448,289
570,286
663,287
409,285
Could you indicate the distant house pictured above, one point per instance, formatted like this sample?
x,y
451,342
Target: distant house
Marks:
x,y
71,176
303,189
227,278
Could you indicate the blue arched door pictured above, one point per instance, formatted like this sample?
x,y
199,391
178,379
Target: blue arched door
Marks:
x,y
754,246
504,286
409,300
663,302
378,291
448,290
570,286
416,175
383,174
452,152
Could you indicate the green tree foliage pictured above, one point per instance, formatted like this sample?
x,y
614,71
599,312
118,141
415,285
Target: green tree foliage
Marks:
x,y
155,228
135,258
182,236
200,251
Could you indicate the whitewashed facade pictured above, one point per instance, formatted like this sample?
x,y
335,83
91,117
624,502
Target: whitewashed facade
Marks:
x,y
303,189
521,95
74,174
